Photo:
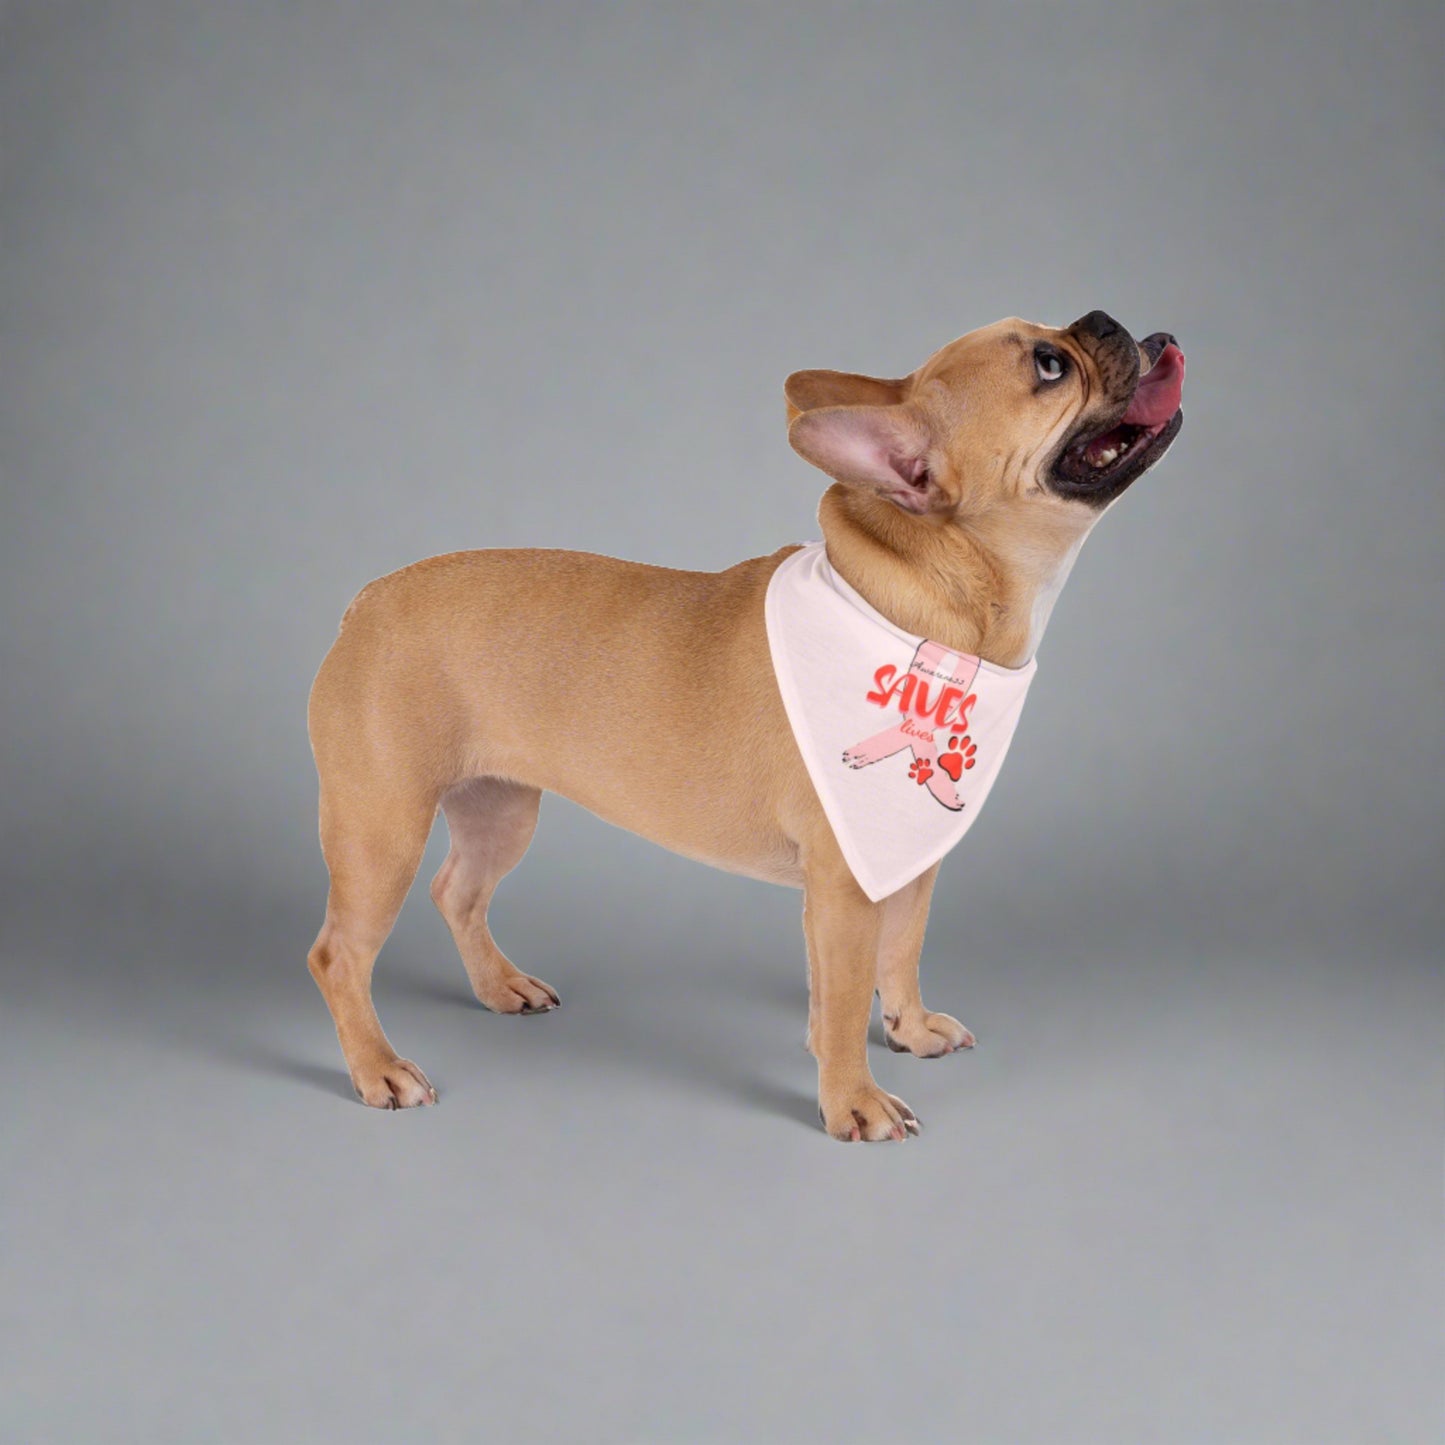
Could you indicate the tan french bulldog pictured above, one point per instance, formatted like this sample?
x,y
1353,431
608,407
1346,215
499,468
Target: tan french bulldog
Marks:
x,y
962,494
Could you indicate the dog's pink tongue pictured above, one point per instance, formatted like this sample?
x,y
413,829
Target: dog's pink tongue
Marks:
x,y
1156,398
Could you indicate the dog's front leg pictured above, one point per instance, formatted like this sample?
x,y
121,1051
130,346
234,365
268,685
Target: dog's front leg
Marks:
x,y
843,928
908,1027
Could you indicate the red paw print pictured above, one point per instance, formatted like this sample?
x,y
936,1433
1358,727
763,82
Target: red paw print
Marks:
x,y
960,755
920,770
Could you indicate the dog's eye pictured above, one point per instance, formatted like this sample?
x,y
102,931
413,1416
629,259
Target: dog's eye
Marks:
x,y
1049,364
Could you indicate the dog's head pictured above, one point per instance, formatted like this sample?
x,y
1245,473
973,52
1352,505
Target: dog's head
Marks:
x,y
1014,416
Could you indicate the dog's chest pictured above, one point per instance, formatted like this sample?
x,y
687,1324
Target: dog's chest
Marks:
x,y
903,738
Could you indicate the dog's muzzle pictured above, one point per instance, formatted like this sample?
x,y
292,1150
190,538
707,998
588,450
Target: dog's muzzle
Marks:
x,y
1112,449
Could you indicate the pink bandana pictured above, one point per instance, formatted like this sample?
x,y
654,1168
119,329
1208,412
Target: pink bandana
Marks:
x,y
902,737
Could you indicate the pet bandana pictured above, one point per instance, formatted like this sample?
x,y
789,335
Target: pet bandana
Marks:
x,y
902,737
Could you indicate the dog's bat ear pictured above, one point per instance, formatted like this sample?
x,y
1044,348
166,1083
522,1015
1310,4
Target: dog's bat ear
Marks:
x,y
808,390
883,449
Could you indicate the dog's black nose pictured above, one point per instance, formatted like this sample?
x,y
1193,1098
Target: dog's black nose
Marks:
x,y
1098,324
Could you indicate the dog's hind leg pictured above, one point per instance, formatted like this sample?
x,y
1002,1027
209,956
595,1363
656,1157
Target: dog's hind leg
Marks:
x,y
372,836
491,821
908,1027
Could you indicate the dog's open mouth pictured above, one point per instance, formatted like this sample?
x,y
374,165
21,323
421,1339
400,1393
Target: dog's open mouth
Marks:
x,y
1104,462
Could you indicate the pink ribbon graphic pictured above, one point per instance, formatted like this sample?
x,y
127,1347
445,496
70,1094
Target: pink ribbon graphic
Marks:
x,y
934,669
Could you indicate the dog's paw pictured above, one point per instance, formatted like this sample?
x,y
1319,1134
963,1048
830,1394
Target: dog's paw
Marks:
x,y
511,991
867,1113
393,1084
928,1036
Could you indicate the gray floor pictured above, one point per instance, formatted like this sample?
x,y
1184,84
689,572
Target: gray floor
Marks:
x,y
1183,1190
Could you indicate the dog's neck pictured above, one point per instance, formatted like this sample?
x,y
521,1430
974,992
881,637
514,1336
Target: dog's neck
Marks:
x,y
974,583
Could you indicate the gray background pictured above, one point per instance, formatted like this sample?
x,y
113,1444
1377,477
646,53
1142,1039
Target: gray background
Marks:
x,y
295,294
